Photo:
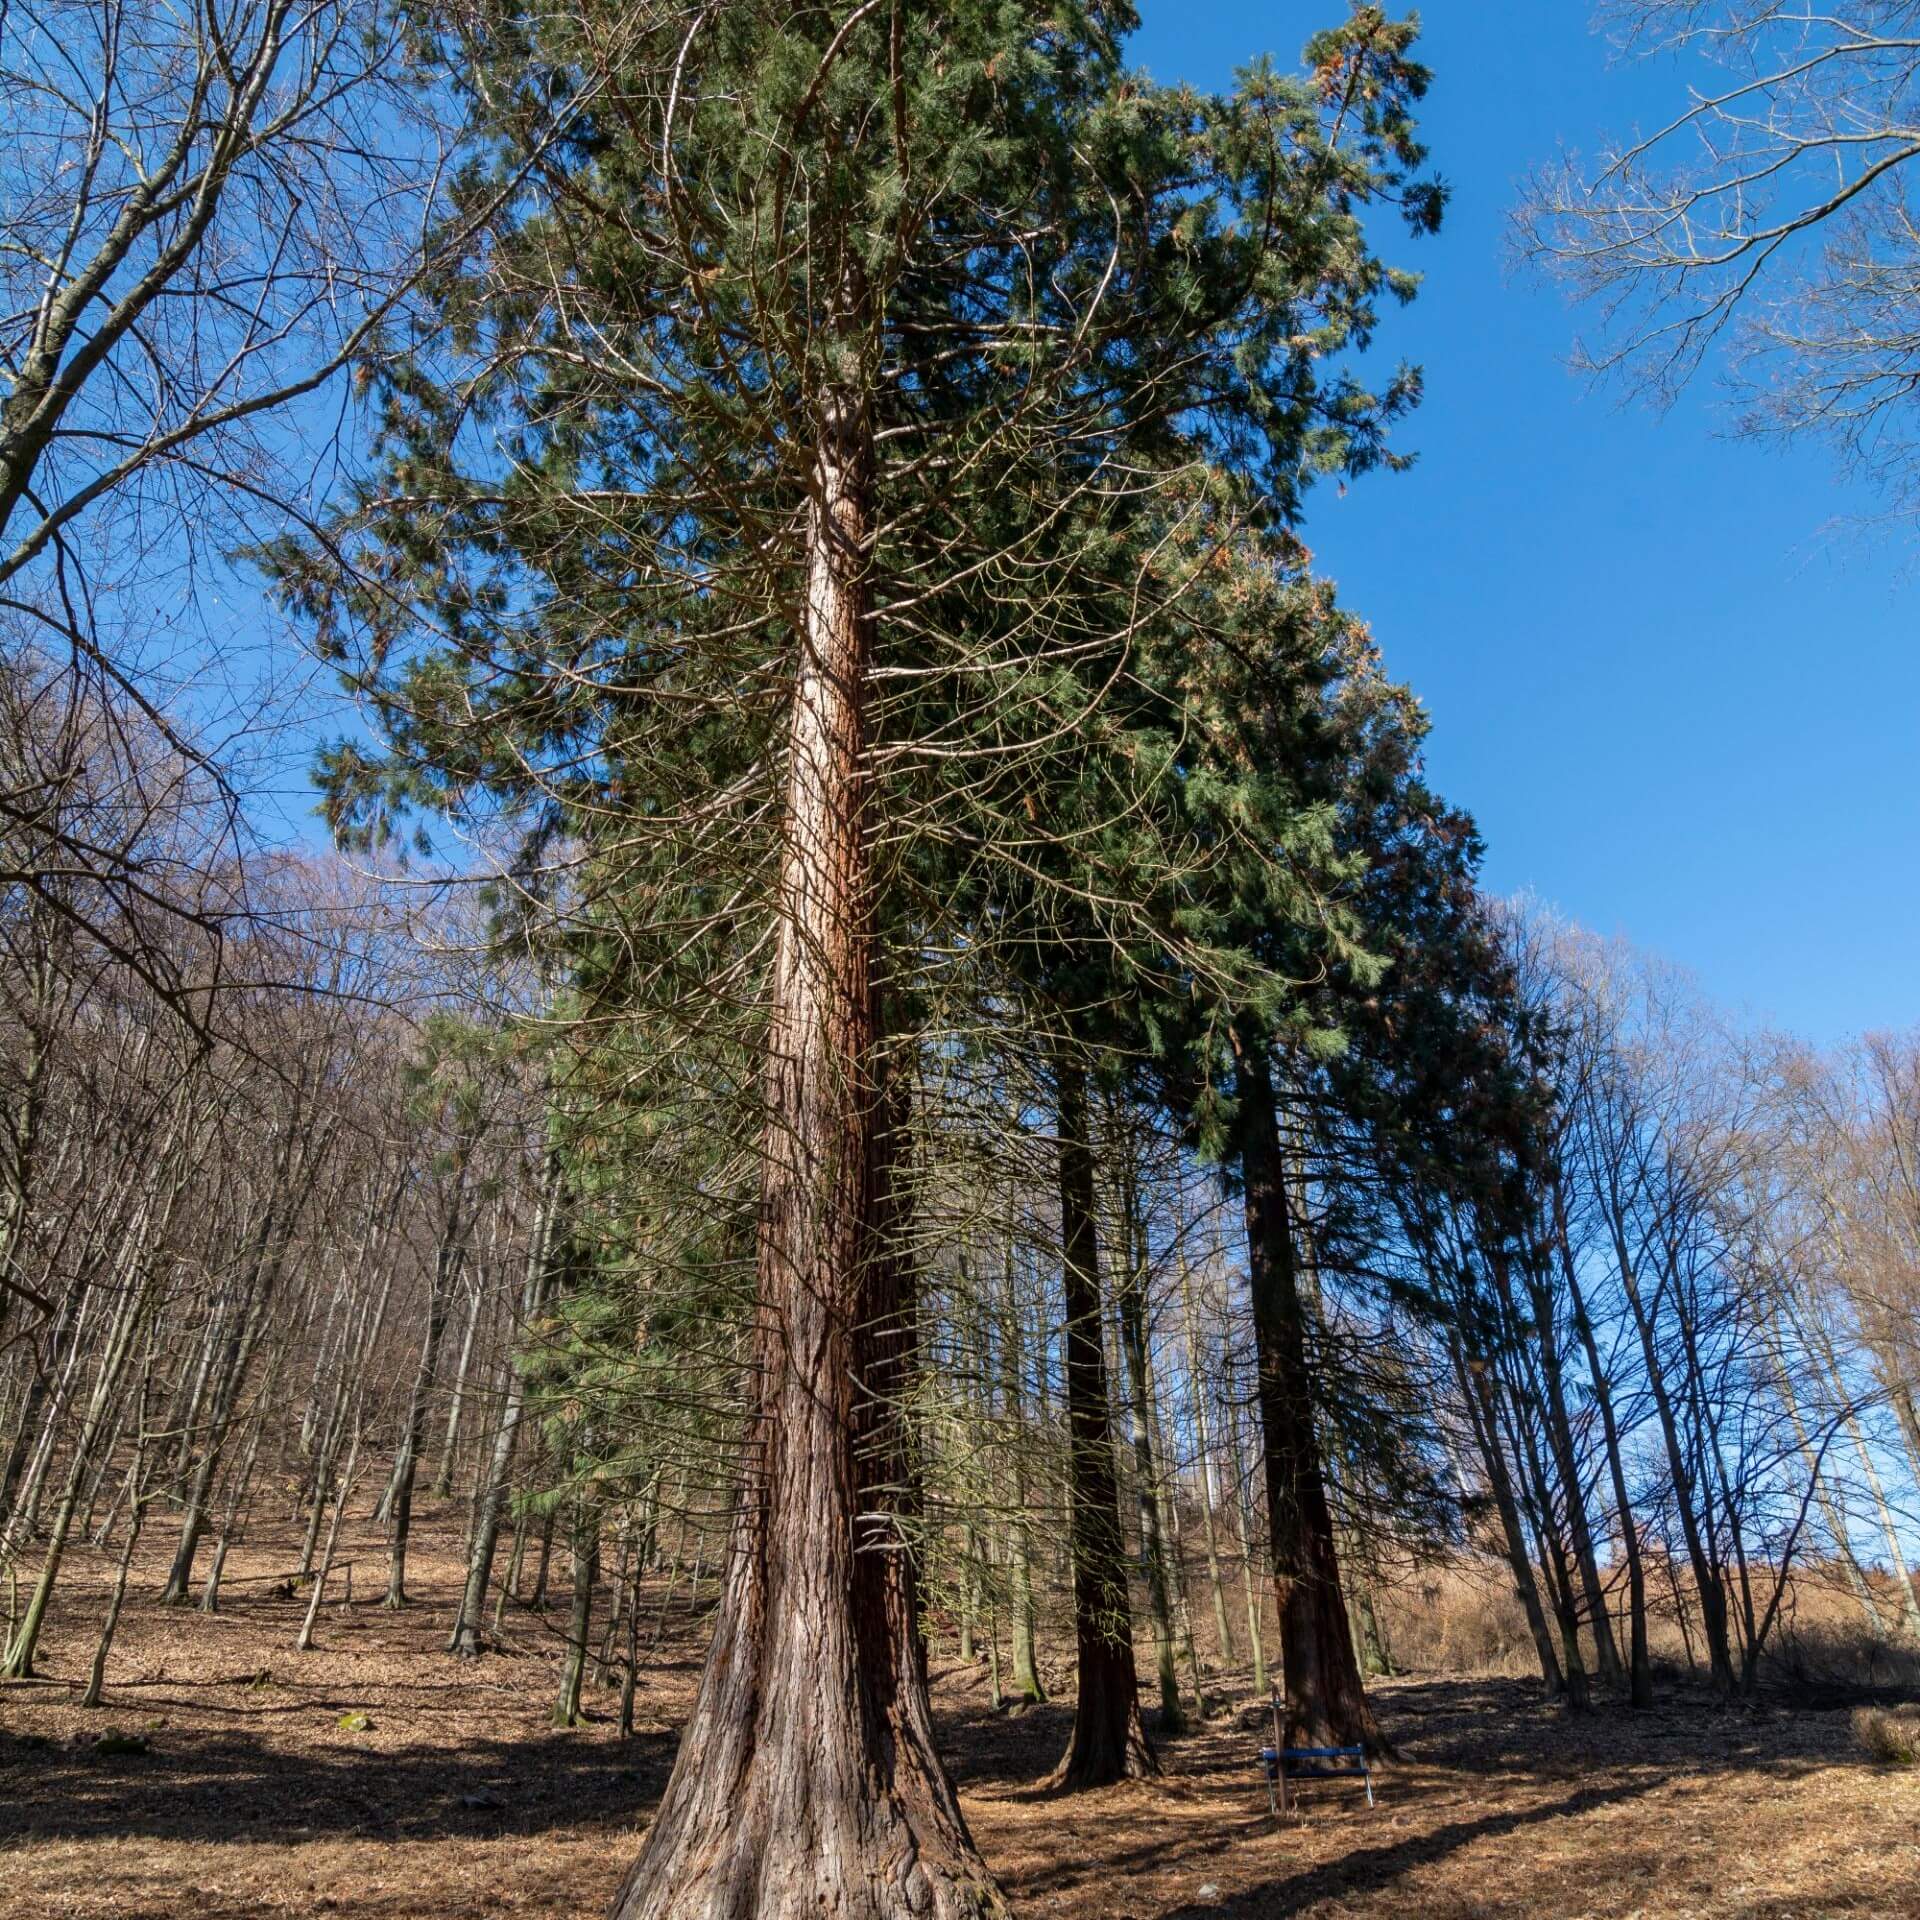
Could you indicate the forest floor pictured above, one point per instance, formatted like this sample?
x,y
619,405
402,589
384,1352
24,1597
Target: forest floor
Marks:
x,y
376,1779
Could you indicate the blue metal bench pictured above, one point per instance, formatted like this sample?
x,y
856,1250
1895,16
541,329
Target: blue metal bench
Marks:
x,y
1314,1763
1279,1761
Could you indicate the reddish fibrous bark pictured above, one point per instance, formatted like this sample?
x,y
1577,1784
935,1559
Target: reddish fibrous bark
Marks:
x,y
808,1782
1326,1700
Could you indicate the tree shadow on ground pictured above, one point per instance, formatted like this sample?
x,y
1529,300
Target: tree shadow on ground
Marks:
x,y
1459,1740
1020,1745
1361,1869
238,1786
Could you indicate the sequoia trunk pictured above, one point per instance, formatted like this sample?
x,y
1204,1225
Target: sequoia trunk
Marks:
x,y
1326,1699
807,1782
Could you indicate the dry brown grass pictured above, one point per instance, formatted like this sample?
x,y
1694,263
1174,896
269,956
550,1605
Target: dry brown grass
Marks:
x,y
256,1794
1891,1736
1464,1618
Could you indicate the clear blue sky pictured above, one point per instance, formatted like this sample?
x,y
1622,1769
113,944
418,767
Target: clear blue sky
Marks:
x,y
1681,696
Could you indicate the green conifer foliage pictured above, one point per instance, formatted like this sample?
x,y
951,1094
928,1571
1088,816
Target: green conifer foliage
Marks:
x,y
784,466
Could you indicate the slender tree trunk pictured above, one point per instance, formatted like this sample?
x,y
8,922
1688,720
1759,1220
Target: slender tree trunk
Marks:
x,y
400,1487
490,1496
509,1587
28,1426
1109,1743
1376,1657
317,1506
443,1479
136,1492
969,1591
1478,1401
236,1505
104,1538
586,1577
19,1656
310,1418
1537,1502
1167,1504
1713,1601
543,1566
23,1120
1713,1477
630,1673
1639,1659
41,1421
1567,1467
808,1783
136,1296
1243,1520
249,1319
603,1661
363,1339
1823,1493
97,1670
1326,1698
1890,1532
1133,1345
1013,1393
103,1465
304,1641
1203,1439
182,1421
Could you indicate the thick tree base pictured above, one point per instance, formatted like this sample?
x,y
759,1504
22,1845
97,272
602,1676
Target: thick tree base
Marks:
x,y
1107,1746
1326,1699
1076,1774
807,1785
1337,1716
869,1866
1362,1730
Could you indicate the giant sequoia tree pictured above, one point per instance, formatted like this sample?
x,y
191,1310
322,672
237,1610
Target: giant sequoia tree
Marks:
x,y
770,451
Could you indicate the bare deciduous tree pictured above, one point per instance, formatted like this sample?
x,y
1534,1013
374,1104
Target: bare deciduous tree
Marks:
x,y
1770,219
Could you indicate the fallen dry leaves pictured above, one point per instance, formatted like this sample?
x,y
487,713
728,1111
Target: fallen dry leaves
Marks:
x,y
260,1792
